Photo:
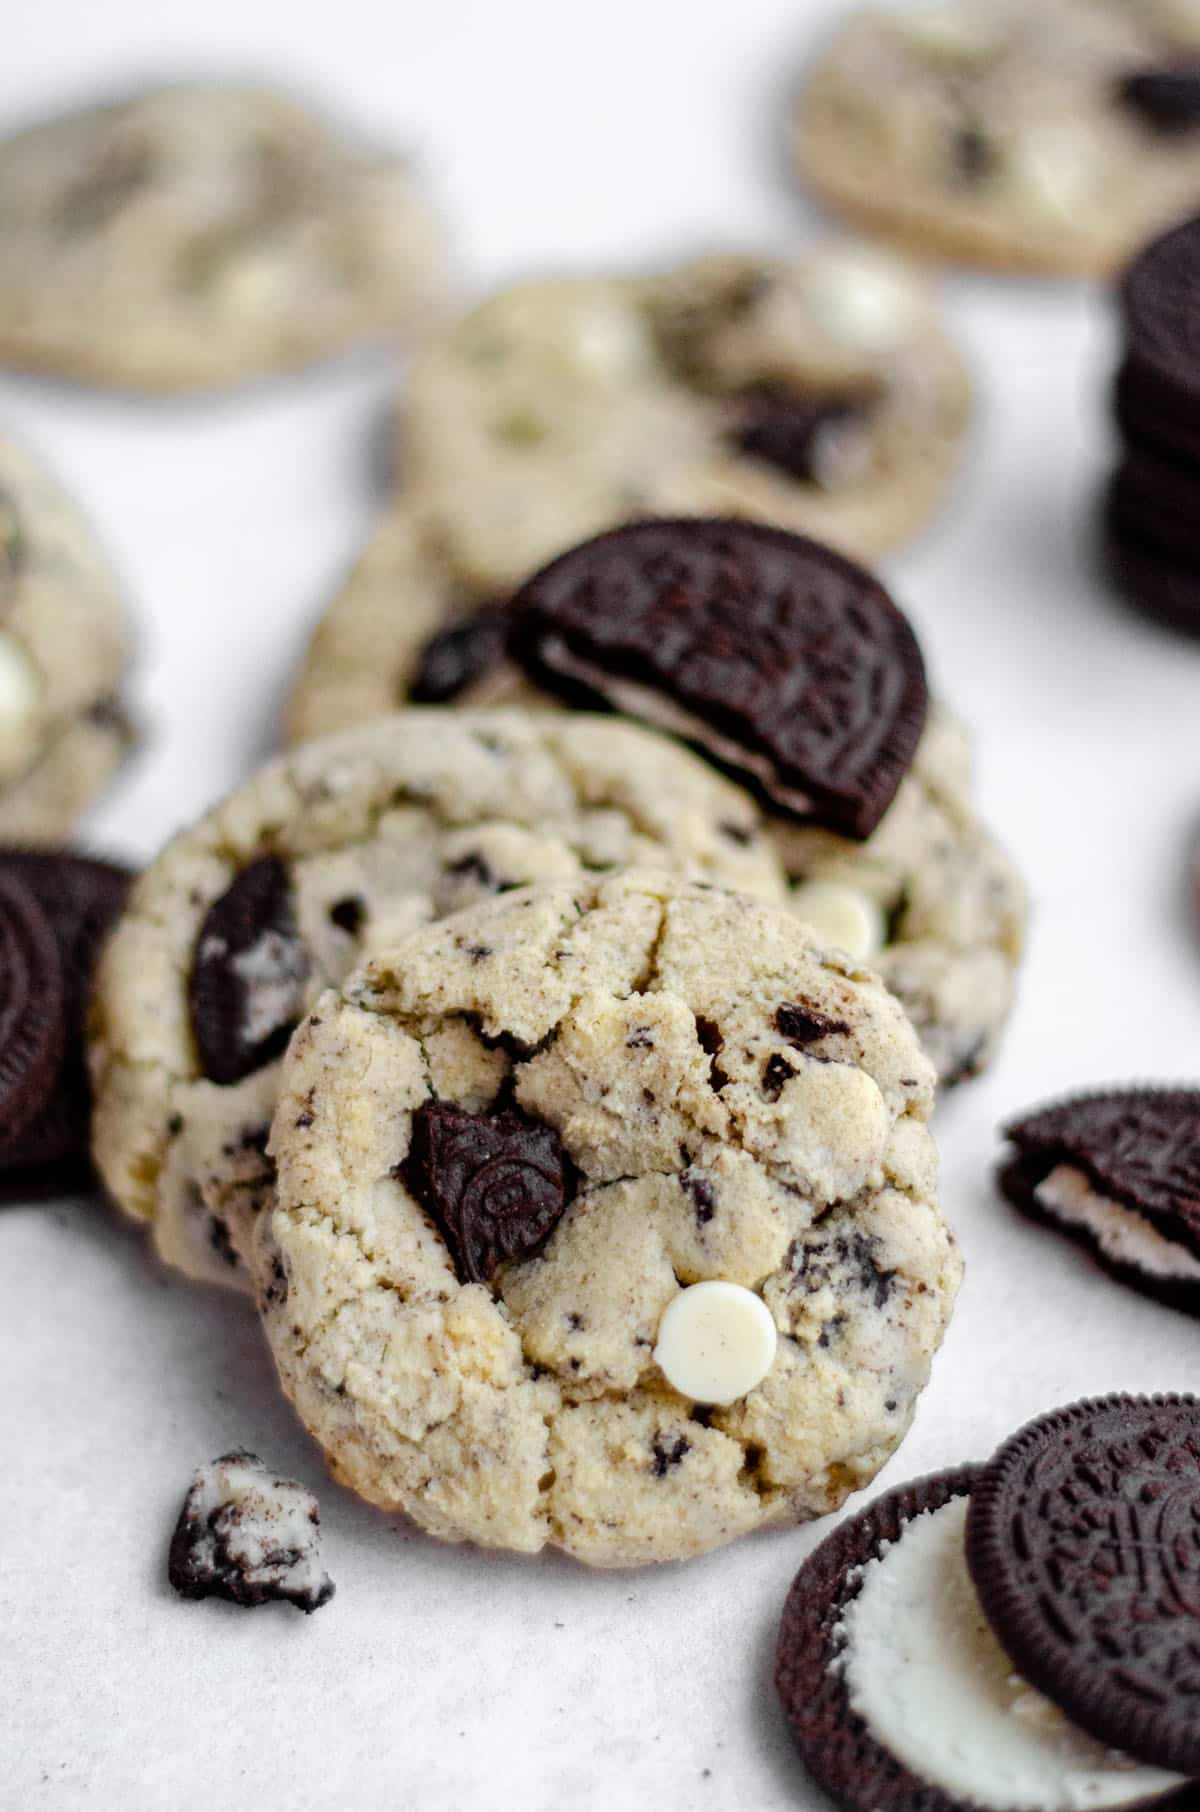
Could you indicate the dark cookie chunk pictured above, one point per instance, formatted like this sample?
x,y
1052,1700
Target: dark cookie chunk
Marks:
x,y
1160,302
1139,1148
496,1184
802,1024
82,898
32,1001
785,663
1083,1540
246,988
460,656
249,1536
835,1743
796,433
1166,98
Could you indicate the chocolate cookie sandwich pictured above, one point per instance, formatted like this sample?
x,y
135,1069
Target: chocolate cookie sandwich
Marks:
x,y
1021,1635
1152,511
1119,1171
781,661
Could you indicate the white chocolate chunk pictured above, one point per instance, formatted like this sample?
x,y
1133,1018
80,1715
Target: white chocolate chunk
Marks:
x,y
1058,170
1124,1235
20,689
924,1669
1178,19
863,299
716,1341
840,916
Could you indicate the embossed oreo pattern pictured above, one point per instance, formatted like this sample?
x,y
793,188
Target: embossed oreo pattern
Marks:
x,y
1158,301
1083,1540
495,1183
797,665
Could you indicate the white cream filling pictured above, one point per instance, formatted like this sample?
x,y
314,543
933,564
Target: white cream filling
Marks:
x,y
925,1671
1125,1236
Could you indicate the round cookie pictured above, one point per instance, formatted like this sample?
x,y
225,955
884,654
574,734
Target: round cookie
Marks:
x,y
326,853
632,1085
191,237
64,650
822,393
942,908
1011,133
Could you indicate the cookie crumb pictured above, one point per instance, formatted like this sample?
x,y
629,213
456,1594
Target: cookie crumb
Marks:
x,y
249,1536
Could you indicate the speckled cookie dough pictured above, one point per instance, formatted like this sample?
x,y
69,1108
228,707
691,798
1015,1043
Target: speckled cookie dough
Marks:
x,y
191,237
586,1098
934,902
328,853
1051,138
822,393
944,918
64,650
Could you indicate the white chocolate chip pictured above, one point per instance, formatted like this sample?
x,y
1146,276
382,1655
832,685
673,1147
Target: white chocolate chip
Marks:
x,y
841,916
716,1341
1178,19
863,299
19,691
1057,170
952,31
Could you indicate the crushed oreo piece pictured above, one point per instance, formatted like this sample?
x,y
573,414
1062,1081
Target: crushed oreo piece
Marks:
x,y
249,1536
1083,1541
249,971
1165,98
802,1024
496,1184
785,663
461,655
794,432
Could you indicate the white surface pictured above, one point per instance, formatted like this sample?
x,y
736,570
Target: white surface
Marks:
x,y
925,1670
448,1681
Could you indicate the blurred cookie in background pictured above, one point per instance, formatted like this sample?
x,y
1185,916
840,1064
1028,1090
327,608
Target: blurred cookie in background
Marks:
x,y
65,645
822,393
1011,133
193,237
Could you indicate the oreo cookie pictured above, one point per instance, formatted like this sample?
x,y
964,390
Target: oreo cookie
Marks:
x,y
1160,585
1083,1540
1119,1172
81,898
1160,310
32,998
902,1697
785,663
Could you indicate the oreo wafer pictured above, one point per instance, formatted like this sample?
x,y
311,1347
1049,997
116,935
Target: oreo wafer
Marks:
x,y
899,1692
785,663
31,1013
1119,1172
79,897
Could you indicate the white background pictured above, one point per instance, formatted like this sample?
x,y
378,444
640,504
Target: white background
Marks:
x,y
553,135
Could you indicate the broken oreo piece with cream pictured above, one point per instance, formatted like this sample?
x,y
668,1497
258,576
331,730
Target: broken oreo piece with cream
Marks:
x,y
785,663
249,1536
1118,1171
249,972
901,1696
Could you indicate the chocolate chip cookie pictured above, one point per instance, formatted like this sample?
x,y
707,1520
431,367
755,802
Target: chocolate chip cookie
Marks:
x,y
606,1218
336,849
1051,138
821,392
927,896
190,237
64,650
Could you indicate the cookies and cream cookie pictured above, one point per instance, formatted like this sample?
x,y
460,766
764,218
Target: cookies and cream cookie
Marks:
x,y
325,853
606,1218
821,392
190,237
1030,136
65,646
927,895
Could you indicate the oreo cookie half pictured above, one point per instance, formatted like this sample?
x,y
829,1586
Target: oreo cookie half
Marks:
x,y
783,662
31,1014
1118,1171
1083,1540
901,1699
1160,306
1158,584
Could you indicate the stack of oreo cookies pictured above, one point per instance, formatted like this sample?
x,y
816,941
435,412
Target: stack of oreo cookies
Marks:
x,y
1153,514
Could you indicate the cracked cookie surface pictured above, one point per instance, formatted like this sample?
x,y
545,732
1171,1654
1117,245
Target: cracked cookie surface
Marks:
x,y
821,393
327,853
196,236
950,903
64,650
1050,138
731,1101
